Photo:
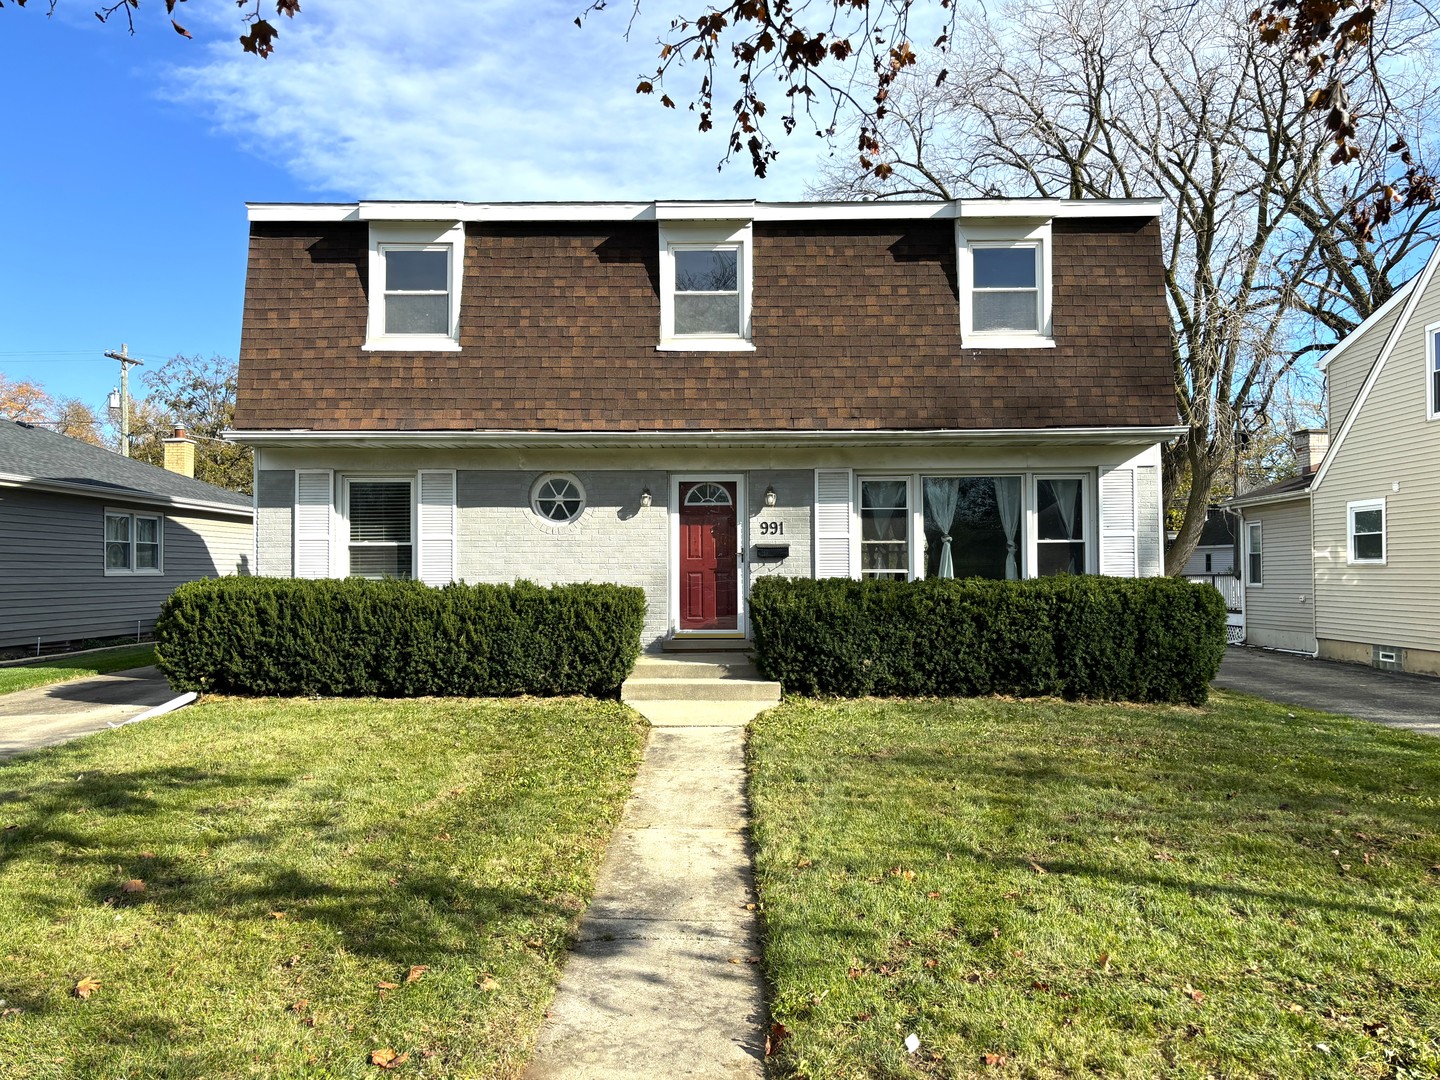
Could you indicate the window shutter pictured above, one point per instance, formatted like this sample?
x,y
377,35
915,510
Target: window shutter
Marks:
x,y
437,526
313,501
833,517
1117,522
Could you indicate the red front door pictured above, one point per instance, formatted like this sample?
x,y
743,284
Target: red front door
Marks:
x,y
709,575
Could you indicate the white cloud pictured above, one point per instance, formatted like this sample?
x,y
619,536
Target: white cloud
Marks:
x,y
474,100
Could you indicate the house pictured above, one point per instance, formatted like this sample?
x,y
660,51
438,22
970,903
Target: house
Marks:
x,y
92,542
1341,561
687,396
1214,554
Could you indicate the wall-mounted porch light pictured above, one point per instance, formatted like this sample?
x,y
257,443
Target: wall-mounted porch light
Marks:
x,y
645,498
770,495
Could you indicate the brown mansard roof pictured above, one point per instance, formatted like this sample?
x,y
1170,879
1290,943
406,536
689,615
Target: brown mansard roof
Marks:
x,y
855,328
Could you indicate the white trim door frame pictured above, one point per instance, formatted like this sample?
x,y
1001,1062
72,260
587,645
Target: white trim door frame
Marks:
x,y
742,545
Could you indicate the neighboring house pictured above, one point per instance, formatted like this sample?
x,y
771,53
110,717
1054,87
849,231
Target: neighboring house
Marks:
x,y
92,542
1342,561
688,396
1215,552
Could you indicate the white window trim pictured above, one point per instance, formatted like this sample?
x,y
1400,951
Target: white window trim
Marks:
x,y
132,570
344,522
1089,523
1432,405
915,518
535,495
1359,506
969,235
692,237
1253,528
414,235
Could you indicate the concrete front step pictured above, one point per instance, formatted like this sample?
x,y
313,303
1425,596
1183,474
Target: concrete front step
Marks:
x,y
696,666
706,644
713,689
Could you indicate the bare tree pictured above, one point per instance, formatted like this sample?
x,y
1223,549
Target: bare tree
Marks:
x,y
1264,263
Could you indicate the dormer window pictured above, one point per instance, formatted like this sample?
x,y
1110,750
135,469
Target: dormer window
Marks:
x,y
705,286
415,274
1004,272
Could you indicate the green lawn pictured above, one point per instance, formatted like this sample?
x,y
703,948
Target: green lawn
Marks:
x,y
24,676
299,860
1240,890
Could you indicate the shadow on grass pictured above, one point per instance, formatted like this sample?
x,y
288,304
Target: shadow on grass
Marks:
x,y
391,895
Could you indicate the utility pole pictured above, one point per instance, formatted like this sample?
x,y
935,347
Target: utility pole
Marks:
x,y
126,360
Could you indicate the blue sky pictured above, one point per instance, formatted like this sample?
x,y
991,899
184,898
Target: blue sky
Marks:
x,y
128,160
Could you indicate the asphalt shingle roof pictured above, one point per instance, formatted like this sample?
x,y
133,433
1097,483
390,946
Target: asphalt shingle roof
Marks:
x,y
37,454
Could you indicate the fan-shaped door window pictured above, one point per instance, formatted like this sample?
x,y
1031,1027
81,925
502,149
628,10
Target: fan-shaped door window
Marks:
x,y
708,494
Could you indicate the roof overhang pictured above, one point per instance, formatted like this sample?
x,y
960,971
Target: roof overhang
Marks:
x,y
717,210
1243,501
727,440
113,493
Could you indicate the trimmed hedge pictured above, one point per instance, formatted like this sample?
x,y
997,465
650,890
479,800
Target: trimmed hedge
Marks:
x,y
1119,639
355,638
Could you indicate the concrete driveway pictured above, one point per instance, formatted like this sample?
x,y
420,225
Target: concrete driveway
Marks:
x,y
63,711
1391,698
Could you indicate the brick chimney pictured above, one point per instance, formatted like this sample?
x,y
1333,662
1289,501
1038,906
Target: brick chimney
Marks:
x,y
1310,445
180,453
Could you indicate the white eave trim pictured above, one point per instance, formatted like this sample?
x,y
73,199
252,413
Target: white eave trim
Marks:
x,y
1417,286
1137,436
1242,502
709,210
116,494
1398,297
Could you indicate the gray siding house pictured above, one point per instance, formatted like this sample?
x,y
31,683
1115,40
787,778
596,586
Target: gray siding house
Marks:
x,y
1346,556
92,542
688,396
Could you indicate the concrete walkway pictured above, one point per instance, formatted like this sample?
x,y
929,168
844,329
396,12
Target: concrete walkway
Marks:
x,y
1394,699
663,979
62,711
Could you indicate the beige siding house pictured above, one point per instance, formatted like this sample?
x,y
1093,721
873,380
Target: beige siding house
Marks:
x,y
1347,554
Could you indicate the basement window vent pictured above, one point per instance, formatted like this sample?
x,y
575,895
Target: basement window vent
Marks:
x,y
1385,656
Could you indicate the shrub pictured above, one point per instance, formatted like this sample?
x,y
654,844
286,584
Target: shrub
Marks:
x,y
1148,639
353,637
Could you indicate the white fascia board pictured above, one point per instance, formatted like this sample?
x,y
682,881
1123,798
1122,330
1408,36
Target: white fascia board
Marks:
x,y
710,210
1420,283
1398,297
124,495
302,211
1242,502
1109,436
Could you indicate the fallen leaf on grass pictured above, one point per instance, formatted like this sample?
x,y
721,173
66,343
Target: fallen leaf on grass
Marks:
x,y
416,970
1103,961
85,987
387,1058
778,1034
994,1060
1295,1008
487,983
1163,856
300,1006
133,885
276,915
444,836
387,986
901,872
932,896
1193,994
1038,868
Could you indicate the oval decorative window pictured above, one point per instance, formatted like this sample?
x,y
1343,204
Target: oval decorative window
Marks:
x,y
707,494
558,498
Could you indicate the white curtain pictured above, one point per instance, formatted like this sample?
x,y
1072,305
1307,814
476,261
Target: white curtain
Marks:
x,y
1066,496
941,497
1007,498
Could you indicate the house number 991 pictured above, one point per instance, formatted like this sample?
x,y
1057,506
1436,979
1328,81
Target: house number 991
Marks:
x,y
772,528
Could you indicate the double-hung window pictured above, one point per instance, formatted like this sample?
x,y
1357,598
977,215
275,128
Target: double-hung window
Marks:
x,y
381,527
1432,368
1254,555
416,271
1060,525
1366,531
133,543
705,285
885,528
1004,270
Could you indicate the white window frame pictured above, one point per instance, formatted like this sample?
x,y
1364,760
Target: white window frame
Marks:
x,y
1432,371
1089,527
913,513
544,479
131,569
1361,506
1018,234
722,236
344,524
1252,531
414,236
